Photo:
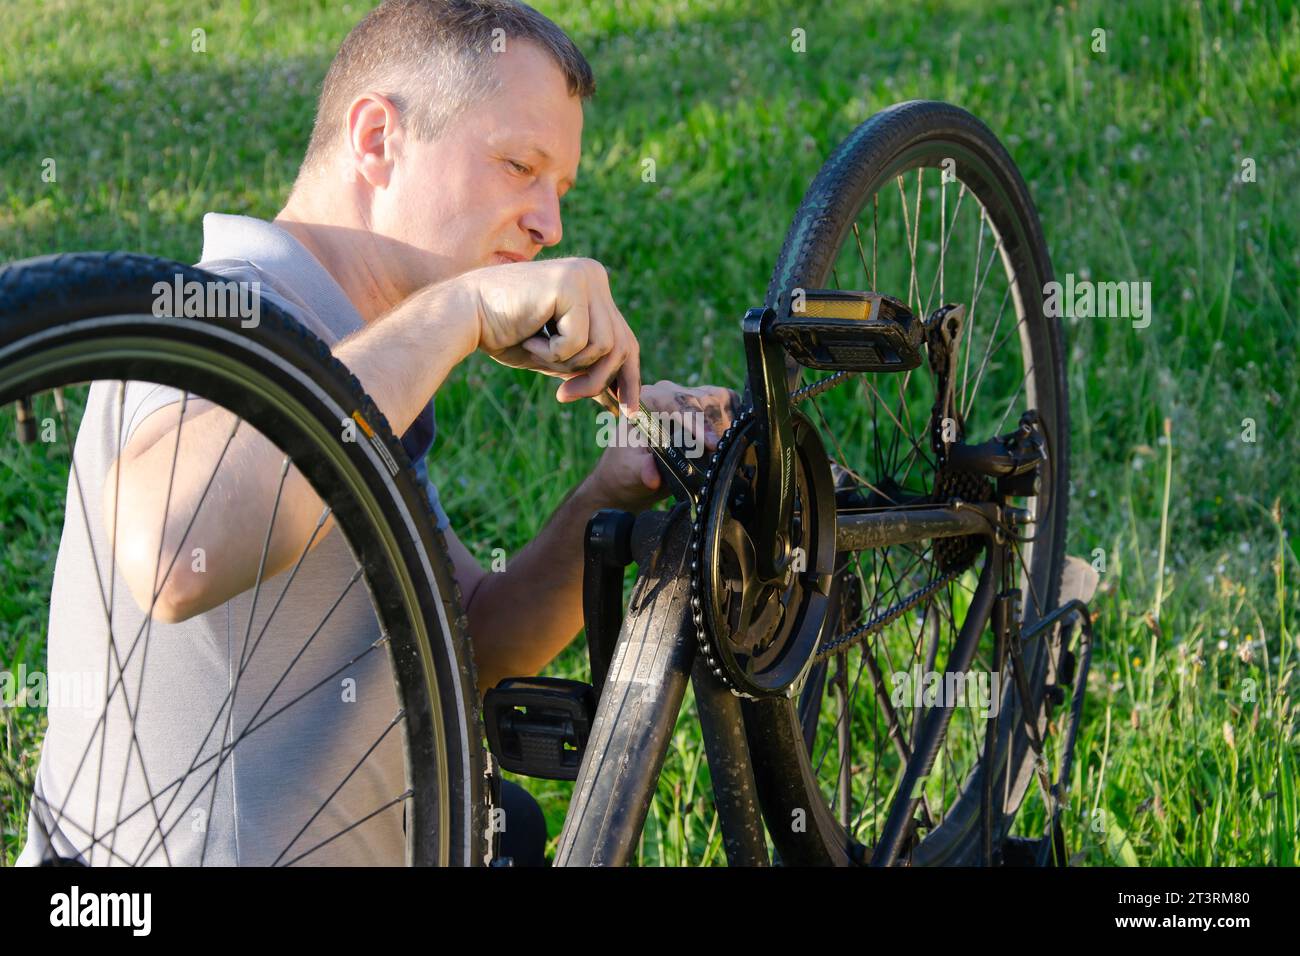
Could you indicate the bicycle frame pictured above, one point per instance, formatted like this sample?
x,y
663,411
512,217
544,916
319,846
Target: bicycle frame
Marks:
x,y
643,684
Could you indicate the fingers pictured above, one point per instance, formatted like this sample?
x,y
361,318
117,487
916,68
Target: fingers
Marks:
x,y
611,355
709,406
629,380
584,339
620,367
602,336
571,338
584,329
650,476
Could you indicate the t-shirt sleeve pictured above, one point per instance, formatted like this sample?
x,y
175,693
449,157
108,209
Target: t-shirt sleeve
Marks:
x,y
444,523
142,399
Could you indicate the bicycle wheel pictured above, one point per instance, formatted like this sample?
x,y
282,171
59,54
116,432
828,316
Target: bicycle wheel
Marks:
x,y
343,726
917,203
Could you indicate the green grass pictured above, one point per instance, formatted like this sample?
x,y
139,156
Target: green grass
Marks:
x,y
1131,156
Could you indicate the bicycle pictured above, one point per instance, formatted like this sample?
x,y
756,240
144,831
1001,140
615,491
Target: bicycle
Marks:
x,y
755,585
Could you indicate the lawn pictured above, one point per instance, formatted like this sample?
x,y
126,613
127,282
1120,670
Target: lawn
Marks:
x,y
1169,157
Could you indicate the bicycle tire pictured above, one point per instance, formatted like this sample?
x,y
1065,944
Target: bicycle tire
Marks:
x,y
639,704
72,318
900,138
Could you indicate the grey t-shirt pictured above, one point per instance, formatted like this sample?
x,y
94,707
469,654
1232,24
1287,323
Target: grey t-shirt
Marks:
x,y
265,803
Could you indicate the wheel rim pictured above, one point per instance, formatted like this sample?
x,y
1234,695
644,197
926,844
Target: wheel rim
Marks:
x,y
417,727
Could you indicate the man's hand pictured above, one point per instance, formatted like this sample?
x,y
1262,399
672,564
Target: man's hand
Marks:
x,y
628,478
593,348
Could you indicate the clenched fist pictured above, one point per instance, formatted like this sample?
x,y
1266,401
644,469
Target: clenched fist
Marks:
x,y
591,346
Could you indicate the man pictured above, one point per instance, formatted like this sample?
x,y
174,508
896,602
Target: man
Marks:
x,y
446,134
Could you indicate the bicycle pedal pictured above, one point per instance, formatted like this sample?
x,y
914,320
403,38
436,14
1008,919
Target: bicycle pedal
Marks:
x,y
849,331
538,726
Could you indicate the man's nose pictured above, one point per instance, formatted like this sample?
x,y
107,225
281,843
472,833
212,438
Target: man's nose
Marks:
x,y
542,220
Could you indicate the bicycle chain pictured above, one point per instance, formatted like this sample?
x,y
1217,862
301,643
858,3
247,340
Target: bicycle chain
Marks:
x,y
880,621
956,553
697,535
813,389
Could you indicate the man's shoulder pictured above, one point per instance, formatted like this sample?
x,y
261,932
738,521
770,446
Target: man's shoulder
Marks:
x,y
270,287
288,273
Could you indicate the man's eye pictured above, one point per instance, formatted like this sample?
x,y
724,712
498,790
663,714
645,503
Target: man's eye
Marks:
x,y
520,167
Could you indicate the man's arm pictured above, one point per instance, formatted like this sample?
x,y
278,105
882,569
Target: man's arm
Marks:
x,y
401,359
395,363
521,618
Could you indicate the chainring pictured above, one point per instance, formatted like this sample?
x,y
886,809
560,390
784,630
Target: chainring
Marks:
x,y
759,637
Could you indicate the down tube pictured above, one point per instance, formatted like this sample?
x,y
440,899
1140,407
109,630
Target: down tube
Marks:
x,y
638,706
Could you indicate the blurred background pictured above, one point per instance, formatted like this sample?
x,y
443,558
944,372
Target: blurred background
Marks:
x,y
1170,155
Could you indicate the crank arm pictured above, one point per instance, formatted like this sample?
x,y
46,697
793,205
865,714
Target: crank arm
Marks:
x,y
770,393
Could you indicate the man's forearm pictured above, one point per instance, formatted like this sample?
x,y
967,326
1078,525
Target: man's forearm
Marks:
x,y
402,359
521,618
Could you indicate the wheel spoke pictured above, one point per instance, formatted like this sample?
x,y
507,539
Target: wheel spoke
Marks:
x,y
196,764
243,648
98,775
101,726
945,237
352,826
333,793
248,731
988,352
974,300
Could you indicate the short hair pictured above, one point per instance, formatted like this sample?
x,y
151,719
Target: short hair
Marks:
x,y
431,59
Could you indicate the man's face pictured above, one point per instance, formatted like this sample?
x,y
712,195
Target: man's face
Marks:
x,y
488,190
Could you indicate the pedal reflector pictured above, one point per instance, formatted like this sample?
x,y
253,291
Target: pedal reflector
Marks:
x,y
850,331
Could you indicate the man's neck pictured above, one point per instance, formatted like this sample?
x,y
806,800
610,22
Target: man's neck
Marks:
x,y
346,250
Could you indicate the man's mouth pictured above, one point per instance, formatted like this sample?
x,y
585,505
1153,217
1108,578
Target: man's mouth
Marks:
x,y
501,258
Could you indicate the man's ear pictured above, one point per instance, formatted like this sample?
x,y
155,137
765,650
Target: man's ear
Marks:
x,y
374,130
